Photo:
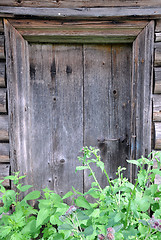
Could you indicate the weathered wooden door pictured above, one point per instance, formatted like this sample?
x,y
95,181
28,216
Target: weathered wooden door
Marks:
x,y
66,96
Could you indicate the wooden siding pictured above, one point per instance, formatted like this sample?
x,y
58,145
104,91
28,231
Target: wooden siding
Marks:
x,y
111,13
80,3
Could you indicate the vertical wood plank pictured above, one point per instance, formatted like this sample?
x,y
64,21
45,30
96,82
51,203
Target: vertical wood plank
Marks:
x,y
17,61
107,84
142,89
56,115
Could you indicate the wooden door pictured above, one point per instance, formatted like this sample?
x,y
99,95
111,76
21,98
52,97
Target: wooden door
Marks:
x,y
65,96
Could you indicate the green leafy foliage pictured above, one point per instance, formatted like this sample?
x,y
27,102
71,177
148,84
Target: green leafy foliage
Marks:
x,y
120,211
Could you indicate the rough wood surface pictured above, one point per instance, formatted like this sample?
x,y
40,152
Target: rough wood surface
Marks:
x,y
157,108
3,100
157,57
4,128
4,152
4,172
157,135
2,56
94,13
158,26
157,80
2,73
78,31
107,116
17,76
56,93
141,92
158,37
80,3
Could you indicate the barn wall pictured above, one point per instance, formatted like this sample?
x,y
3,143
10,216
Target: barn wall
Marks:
x,y
4,139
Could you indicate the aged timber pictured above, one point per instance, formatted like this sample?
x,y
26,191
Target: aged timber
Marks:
x,y
78,13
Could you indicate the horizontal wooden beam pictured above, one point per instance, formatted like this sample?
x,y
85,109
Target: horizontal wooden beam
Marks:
x,y
80,3
157,57
4,128
157,141
3,100
94,13
4,172
60,31
157,80
157,107
4,153
2,74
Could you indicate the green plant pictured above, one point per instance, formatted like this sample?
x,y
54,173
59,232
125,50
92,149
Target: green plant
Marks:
x,y
121,210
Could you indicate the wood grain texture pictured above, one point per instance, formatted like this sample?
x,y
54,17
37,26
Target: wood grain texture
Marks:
x,y
4,172
4,128
79,13
158,26
107,80
4,153
2,74
3,100
157,135
157,108
18,70
56,105
78,31
141,91
80,3
2,56
157,80
157,57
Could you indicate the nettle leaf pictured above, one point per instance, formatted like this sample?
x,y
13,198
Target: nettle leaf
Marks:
x,y
135,162
68,194
81,215
88,231
65,226
32,195
118,217
80,168
144,205
4,231
82,202
154,188
25,188
100,165
43,214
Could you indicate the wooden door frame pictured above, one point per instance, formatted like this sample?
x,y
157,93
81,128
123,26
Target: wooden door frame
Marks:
x,y
138,33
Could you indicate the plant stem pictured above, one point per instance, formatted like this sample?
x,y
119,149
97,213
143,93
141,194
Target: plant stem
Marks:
x,y
128,208
93,175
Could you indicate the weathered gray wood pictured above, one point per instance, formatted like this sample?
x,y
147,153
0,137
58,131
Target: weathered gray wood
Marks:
x,y
3,100
107,116
4,152
4,172
2,74
141,93
157,108
157,58
80,3
4,128
158,26
157,135
56,115
2,56
18,82
106,13
78,31
157,80
158,37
